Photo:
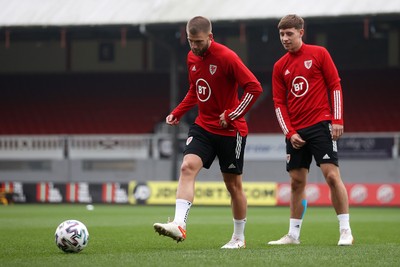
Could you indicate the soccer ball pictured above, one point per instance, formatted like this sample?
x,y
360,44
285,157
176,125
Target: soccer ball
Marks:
x,y
71,236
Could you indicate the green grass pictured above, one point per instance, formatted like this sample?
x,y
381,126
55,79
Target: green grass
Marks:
x,y
122,235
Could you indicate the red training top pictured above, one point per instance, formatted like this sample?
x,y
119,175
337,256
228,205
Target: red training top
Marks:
x,y
214,80
306,89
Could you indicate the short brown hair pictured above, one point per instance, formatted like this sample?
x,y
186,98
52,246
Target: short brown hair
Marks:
x,y
291,21
199,24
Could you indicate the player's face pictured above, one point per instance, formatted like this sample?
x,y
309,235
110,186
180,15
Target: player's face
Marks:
x,y
199,43
291,38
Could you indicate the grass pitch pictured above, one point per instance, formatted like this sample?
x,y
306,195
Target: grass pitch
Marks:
x,y
122,235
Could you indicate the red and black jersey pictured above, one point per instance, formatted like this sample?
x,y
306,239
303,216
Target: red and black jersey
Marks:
x,y
306,89
214,79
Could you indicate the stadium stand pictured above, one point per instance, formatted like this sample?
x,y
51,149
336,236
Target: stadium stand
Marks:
x,y
82,104
371,100
134,104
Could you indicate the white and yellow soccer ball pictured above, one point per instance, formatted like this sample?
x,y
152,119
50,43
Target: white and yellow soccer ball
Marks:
x,y
71,236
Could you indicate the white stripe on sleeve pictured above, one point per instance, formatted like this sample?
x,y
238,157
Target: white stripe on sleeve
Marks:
x,y
337,111
281,121
242,106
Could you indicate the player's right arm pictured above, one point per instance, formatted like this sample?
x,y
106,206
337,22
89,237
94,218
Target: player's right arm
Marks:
x,y
171,120
189,101
279,95
296,141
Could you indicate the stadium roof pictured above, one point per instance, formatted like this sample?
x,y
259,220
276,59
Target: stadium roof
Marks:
x,y
136,12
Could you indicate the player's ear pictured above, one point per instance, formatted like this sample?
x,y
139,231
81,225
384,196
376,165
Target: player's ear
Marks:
x,y
211,36
301,32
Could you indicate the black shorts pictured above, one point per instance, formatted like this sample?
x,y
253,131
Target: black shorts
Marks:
x,y
206,145
319,143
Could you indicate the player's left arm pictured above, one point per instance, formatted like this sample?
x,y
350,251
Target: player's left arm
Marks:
x,y
332,79
336,97
252,90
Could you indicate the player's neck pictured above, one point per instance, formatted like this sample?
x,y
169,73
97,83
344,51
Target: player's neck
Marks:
x,y
297,49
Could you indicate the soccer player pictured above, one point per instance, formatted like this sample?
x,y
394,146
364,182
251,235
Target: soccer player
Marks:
x,y
215,72
308,102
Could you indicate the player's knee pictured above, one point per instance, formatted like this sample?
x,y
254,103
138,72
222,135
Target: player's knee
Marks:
x,y
235,191
188,167
297,184
233,186
332,179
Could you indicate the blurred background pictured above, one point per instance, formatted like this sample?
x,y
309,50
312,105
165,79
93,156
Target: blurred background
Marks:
x,y
85,87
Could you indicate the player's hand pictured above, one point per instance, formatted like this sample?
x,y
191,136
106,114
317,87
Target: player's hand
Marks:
x,y
171,120
222,120
296,141
337,131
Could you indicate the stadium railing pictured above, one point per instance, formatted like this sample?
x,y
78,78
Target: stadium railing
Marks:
x,y
156,146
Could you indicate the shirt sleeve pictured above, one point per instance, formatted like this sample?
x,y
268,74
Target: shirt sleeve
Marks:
x,y
251,86
332,79
189,101
280,103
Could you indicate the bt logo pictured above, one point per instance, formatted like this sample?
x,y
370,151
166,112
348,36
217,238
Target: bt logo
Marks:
x,y
299,86
203,90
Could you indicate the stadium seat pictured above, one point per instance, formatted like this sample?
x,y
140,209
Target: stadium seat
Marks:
x,y
87,104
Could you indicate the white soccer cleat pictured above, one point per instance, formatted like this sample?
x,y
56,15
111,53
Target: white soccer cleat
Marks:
x,y
346,238
285,240
172,230
235,243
